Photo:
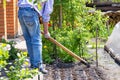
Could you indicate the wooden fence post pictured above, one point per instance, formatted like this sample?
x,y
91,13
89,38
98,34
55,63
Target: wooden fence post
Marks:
x,y
5,22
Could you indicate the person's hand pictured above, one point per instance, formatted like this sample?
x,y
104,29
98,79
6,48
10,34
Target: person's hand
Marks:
x,y
40,20
47,35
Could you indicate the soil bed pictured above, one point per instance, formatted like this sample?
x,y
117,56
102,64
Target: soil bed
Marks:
x,y
76,72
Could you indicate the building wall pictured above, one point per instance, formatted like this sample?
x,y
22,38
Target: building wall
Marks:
x,y
11,19
1,20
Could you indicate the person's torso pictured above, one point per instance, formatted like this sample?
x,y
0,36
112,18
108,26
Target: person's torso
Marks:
x,y
27,3
46,6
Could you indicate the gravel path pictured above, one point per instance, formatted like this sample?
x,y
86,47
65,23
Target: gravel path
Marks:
x,y
111,68
108,64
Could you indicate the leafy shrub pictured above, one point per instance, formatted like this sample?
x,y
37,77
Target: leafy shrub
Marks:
x,y
18,71
13,51
4,55
18,68
69,38
79,25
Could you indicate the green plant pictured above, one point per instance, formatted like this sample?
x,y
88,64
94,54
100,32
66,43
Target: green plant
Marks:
x,y
79,24
70,38
4,55
13,51
17,71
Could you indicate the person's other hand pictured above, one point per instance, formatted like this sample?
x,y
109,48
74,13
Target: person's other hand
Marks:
x,y
47,35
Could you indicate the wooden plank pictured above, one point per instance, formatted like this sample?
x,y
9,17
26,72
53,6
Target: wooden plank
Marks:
x,y
105,6
108,8
5,22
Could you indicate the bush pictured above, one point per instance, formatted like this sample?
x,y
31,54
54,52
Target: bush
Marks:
x,y
13,51
73,39
79,24
18,68
4,55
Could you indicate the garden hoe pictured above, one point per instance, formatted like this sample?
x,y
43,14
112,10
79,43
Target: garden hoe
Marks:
x,y
68,51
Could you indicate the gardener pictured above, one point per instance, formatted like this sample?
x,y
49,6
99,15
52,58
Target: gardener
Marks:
x,y
29,13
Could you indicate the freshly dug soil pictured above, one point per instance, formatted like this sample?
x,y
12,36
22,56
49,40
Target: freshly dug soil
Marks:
x,y
74,72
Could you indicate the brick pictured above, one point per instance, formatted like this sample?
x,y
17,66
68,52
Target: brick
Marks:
x,y
1,23
2,31
1,11
10,28
1,34
11,17
9,24
1,27
10,34
1,14
9,14
10,3
1,7
9,7
9,21
9,10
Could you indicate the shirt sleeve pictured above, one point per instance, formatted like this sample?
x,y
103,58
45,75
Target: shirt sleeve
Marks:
x,y
47,10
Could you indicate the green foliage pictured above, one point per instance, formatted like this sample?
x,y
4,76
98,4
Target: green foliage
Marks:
x,y
70,38
38,3
13,51
18,68
4,55
17,72
79,24
76,14
95,20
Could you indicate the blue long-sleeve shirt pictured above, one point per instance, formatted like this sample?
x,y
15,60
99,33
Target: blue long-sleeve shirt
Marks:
x,y
46,8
